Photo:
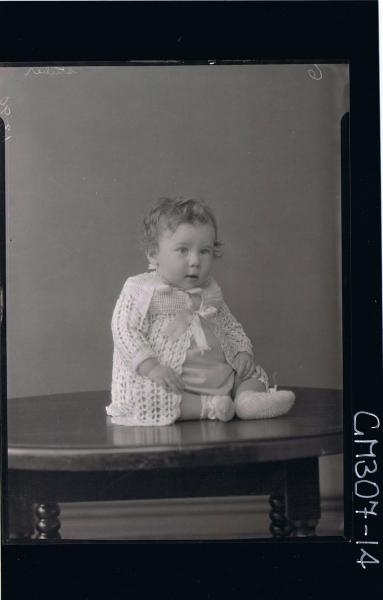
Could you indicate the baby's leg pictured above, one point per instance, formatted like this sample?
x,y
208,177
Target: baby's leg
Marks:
x,y
190,407
252,401
253,383
194,406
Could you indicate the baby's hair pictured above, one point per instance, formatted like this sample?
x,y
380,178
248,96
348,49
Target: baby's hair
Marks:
x,y
169,213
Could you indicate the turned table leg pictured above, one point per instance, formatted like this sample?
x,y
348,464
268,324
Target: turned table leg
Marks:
x,y
47,521
303,496
280,525
26,519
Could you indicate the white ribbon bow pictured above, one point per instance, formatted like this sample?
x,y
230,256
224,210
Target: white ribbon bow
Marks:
x,y
191,318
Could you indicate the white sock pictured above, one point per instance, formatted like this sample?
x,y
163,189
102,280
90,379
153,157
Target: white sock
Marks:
x,y
250,404
217,407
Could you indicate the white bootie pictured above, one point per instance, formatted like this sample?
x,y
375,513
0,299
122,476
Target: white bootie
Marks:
x,y
263,405
219,408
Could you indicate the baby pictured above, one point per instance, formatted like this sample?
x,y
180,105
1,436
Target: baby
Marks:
x,y
179,353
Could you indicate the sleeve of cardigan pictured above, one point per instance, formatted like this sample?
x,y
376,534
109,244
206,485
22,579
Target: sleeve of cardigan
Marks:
x,y
128,329
234,332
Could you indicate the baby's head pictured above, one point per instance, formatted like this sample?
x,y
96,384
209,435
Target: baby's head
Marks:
x,y
181,240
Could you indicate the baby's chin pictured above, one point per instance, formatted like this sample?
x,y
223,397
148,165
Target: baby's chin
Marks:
x,y
188,283
185,283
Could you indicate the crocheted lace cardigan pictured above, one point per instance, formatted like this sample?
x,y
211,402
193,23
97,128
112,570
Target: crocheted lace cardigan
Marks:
x,y
141,316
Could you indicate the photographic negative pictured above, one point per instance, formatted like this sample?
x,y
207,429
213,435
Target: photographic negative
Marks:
x,y
92,148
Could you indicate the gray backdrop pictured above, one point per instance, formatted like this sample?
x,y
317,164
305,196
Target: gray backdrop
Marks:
x,y
90,151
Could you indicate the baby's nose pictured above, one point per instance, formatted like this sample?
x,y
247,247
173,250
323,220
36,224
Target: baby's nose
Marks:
x,y
194,258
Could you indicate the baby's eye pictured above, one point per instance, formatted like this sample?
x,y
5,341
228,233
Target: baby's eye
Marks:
x,y
182,250
206,251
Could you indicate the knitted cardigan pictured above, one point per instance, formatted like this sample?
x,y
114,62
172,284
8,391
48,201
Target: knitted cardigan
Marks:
x,y
143,311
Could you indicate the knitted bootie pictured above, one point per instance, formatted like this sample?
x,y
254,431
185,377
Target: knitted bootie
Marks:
x,y
219,408
263,405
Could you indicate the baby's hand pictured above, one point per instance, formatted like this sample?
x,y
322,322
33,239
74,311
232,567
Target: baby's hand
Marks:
x,y
166,377
261,374
244,365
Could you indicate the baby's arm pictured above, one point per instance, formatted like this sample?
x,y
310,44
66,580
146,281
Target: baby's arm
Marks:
x,y
161,374
240,346
234,331
128,326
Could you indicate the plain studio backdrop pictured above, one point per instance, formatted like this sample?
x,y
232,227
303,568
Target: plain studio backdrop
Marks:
x,y
89,151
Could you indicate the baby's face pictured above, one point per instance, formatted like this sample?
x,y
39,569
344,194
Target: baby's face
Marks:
x,y
185,256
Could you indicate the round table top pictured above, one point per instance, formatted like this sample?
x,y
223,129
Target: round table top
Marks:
x,y
72,432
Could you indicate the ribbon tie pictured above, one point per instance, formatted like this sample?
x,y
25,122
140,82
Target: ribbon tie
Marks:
x,y
191,318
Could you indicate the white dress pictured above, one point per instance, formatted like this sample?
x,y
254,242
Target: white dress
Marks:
x,y
153,319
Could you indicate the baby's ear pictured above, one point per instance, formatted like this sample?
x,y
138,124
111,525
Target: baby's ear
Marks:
x,y
151,255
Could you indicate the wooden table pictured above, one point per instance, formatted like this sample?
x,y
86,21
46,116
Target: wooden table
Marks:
x,y
63,448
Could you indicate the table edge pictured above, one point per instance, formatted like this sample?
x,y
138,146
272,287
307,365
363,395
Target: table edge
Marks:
x,y
91,459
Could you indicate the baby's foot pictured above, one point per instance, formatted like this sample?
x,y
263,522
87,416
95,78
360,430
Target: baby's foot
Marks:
x,y
217,407
263,405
